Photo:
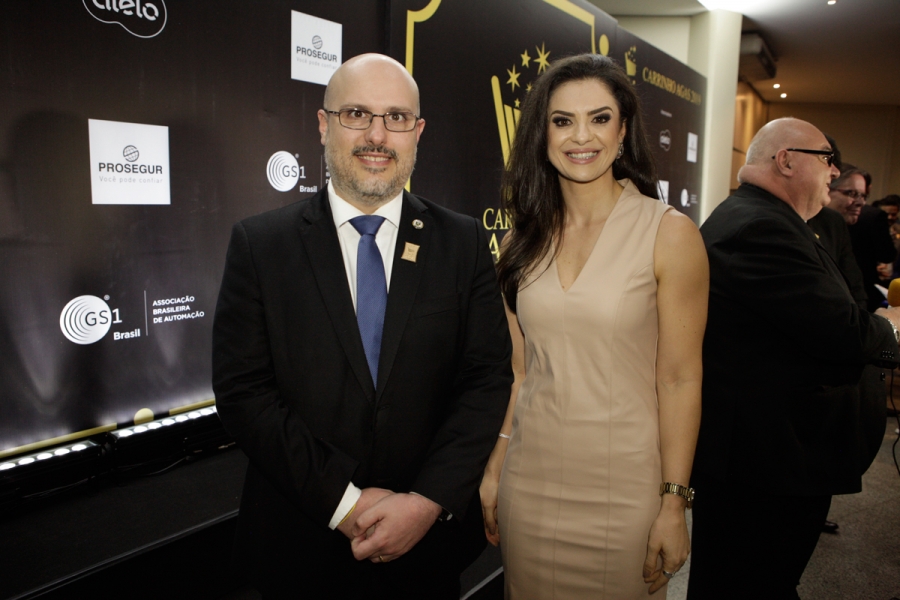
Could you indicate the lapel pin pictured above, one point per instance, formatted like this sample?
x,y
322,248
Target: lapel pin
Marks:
x,y
410,252
418,225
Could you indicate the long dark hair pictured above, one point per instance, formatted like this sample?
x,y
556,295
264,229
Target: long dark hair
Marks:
x,y
530,189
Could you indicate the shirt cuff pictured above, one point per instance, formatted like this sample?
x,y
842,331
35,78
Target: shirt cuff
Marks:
x,y
351,496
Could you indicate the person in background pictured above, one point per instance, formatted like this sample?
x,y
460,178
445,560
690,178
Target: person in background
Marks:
x,y
606,292
782,358
833,233
849,191
870,234
891,205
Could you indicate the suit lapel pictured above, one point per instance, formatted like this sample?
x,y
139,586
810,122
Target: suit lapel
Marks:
x,y
405,277
320,239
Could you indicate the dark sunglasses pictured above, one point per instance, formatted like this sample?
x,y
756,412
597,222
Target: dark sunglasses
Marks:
x,y
828,154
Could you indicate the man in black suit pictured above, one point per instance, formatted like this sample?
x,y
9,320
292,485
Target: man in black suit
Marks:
x,y
870,229
784,349
361,359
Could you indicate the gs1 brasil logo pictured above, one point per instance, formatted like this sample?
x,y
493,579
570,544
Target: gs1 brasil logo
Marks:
x,y
283,172
86,319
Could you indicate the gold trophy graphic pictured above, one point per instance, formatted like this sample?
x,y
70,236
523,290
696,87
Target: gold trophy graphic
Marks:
x,y
507,109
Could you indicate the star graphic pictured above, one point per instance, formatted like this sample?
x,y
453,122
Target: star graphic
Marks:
x,y
526,59
528,89
542,58
517,103
513,78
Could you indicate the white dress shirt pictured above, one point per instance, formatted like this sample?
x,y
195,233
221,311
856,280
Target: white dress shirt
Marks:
x,y
386,240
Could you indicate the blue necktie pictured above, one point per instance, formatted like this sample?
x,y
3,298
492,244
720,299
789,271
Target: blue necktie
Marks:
x,y
371,289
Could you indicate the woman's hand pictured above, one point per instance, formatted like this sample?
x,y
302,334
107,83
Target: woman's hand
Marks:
x,y
669,541
490,483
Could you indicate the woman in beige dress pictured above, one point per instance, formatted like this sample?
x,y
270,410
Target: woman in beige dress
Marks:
x,y
606,292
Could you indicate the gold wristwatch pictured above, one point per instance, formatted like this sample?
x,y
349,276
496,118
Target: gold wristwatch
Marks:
x,y
679,490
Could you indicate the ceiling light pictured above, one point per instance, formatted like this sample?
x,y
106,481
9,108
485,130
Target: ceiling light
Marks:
x,y
783,95
832,1
776,86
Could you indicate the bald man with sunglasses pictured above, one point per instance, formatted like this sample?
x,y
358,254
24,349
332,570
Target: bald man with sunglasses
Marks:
x,y
784,350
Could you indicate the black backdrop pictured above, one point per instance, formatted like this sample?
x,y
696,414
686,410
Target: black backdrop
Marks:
x,y
217,74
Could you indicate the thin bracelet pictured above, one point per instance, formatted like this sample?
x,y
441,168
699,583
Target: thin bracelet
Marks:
x,y
503,435
350,512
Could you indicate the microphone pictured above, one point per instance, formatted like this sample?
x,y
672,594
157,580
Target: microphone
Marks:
x,y
893,295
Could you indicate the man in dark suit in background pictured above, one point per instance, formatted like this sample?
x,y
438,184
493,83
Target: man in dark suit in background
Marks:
x,y
784,348
832,232
870,229
361,360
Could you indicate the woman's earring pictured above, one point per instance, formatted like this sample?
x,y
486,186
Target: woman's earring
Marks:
x,y
621,151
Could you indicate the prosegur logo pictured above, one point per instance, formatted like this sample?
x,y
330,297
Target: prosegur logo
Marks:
x,y
316,46
139,18
85,319
131,153
123,174
316,51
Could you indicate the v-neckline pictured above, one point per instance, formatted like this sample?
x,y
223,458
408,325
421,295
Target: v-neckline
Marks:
x,y
593,248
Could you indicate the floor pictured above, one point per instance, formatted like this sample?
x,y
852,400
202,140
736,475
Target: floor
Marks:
x,y
862,560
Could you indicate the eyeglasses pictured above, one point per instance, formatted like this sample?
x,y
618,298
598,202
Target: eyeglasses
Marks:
x,y
357,118
828,154
852,194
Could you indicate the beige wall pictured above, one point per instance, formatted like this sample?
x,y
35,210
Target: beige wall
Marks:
x,y
672,35
867,135
750,114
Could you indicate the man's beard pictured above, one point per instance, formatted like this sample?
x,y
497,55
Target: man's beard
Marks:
x,y
369,192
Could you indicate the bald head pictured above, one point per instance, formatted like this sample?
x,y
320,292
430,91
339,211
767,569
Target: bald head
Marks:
x,y
361,71
369,163
784,159
781,133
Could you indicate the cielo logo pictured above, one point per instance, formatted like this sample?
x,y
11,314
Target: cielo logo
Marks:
x,y
665,139
85,319
283,171
139,18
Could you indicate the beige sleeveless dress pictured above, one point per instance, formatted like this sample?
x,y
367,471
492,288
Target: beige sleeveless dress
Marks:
x,y
580,484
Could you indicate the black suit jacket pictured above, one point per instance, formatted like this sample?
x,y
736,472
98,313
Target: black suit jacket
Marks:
x,y
784,349
872,244
832,232
293,387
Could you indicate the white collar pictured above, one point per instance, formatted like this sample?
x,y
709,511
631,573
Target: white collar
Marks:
x,y
343,211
